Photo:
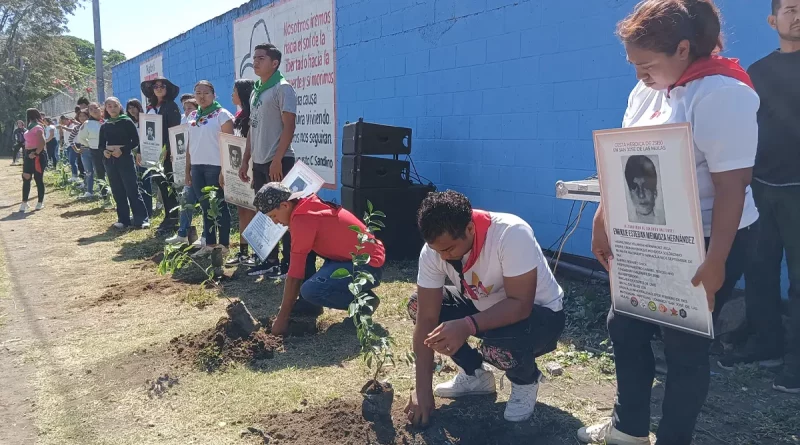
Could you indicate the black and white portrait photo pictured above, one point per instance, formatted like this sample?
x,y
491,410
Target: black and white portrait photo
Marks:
x,y
150,130
298,185
180,144
643,185
235,156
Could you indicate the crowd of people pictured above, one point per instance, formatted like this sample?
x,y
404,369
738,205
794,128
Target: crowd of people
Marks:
x,y
744,128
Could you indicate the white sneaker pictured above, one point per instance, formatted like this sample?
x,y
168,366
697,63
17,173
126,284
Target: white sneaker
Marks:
x,y
605,433
467,385
199,242
521,402
39,205
87,195
23,207
118,225
204,251
176,239
74,179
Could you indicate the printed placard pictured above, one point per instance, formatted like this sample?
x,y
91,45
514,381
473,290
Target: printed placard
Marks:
x,y
304,30
648,184
231,154
150,138
179,141
151,69
302,181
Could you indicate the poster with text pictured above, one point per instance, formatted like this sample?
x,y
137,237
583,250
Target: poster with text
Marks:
x,y
150,138
302,180
648,185
179,140
304,32
231,153
149,70
263,235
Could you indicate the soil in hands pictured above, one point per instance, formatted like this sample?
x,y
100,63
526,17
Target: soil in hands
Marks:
x,y
224,344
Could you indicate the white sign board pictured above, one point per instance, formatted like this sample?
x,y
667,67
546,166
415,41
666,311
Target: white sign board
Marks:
x,y
149,70
304,32
150,138
262,234
231,153
179,141
648,185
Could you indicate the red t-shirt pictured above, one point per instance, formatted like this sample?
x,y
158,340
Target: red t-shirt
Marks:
x,y
317,226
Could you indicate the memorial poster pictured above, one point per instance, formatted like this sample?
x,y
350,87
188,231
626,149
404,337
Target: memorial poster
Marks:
x,y
150,138
178,142
231,153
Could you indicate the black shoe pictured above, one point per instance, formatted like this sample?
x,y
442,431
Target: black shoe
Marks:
x,y
304,308
268,270
249,261
788,383
236,260
751,352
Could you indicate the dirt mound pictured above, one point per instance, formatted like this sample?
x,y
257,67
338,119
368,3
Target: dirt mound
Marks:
x,y
115,292
475,421
224,344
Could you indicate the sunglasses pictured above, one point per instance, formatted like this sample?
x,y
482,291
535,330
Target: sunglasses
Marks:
x,y
159,86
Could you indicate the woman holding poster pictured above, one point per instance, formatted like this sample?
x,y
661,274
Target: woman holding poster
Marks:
x,y
161,95
203,166
673,45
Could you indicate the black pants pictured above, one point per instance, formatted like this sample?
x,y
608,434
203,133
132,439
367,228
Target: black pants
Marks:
x,y
52,152
688,367
512,348
778,233
261,177
18,146
168,194
122,178
29,167
99,166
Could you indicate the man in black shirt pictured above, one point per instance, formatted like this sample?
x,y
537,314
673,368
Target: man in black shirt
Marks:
x,y
776,189
19,140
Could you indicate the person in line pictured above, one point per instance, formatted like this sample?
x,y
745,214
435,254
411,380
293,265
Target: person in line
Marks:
x,y
269,142
144,179
776,191
161,95
96,115
242,91
118,137
673,46
505,294
19,141
318,228
34,159
89,139
189,199
65,127
51,142
203,166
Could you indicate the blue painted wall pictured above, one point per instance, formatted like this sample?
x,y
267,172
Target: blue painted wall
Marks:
x,y
502,95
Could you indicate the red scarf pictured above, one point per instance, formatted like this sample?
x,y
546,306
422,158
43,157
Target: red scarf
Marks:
x,y
482,221
712,66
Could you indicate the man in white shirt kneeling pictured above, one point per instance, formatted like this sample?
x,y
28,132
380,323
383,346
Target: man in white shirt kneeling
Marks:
x,y
505,294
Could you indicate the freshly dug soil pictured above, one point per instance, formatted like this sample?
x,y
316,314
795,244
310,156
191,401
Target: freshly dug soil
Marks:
x,y
224,344
470,421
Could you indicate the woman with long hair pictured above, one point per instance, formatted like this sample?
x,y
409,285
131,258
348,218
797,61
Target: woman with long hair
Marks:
x,y
203,166
118,137
34,159
673,45
89,138
134,109
242,89
161,95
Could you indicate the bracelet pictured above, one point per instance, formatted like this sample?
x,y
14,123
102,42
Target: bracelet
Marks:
x,y
473,324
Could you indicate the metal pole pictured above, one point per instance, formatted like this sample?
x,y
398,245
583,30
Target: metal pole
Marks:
x,y
98,53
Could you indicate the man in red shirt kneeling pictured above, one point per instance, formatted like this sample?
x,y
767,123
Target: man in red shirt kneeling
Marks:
x,y
317,228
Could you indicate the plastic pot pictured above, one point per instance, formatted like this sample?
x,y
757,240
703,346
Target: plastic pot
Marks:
x,y
241,320
377,403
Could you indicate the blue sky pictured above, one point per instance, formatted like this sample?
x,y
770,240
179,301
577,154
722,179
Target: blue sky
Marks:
x,y
135,26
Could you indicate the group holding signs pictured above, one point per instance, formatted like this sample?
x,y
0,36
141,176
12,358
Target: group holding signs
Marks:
x,y
675,228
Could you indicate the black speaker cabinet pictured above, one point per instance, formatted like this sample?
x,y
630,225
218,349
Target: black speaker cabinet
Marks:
x,y
364,138
370,172
401,235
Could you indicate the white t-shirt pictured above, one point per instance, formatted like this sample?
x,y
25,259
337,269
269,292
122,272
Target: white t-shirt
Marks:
x,y
510,250
204,136
722,111
49,132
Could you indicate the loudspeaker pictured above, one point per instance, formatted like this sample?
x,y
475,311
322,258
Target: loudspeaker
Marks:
x,y
364,138
369,172
401,235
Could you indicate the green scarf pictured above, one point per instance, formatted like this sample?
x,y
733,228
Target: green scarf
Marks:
x,y
260,86
32,125
203,112
121,117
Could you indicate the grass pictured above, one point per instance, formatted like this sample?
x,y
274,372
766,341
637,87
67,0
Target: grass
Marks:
x,y
200,297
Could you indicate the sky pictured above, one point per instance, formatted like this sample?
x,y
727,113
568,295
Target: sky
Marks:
x,y
129,26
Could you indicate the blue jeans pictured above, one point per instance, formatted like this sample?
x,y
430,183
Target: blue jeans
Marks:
x,y
325,291
205,176
88,167
145,189
189,198
52,151
122,178
73,160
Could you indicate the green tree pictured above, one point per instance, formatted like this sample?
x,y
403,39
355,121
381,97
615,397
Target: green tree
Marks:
x,y
84,53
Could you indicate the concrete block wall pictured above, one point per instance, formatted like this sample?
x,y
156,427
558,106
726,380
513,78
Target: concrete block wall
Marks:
x,y
502,95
